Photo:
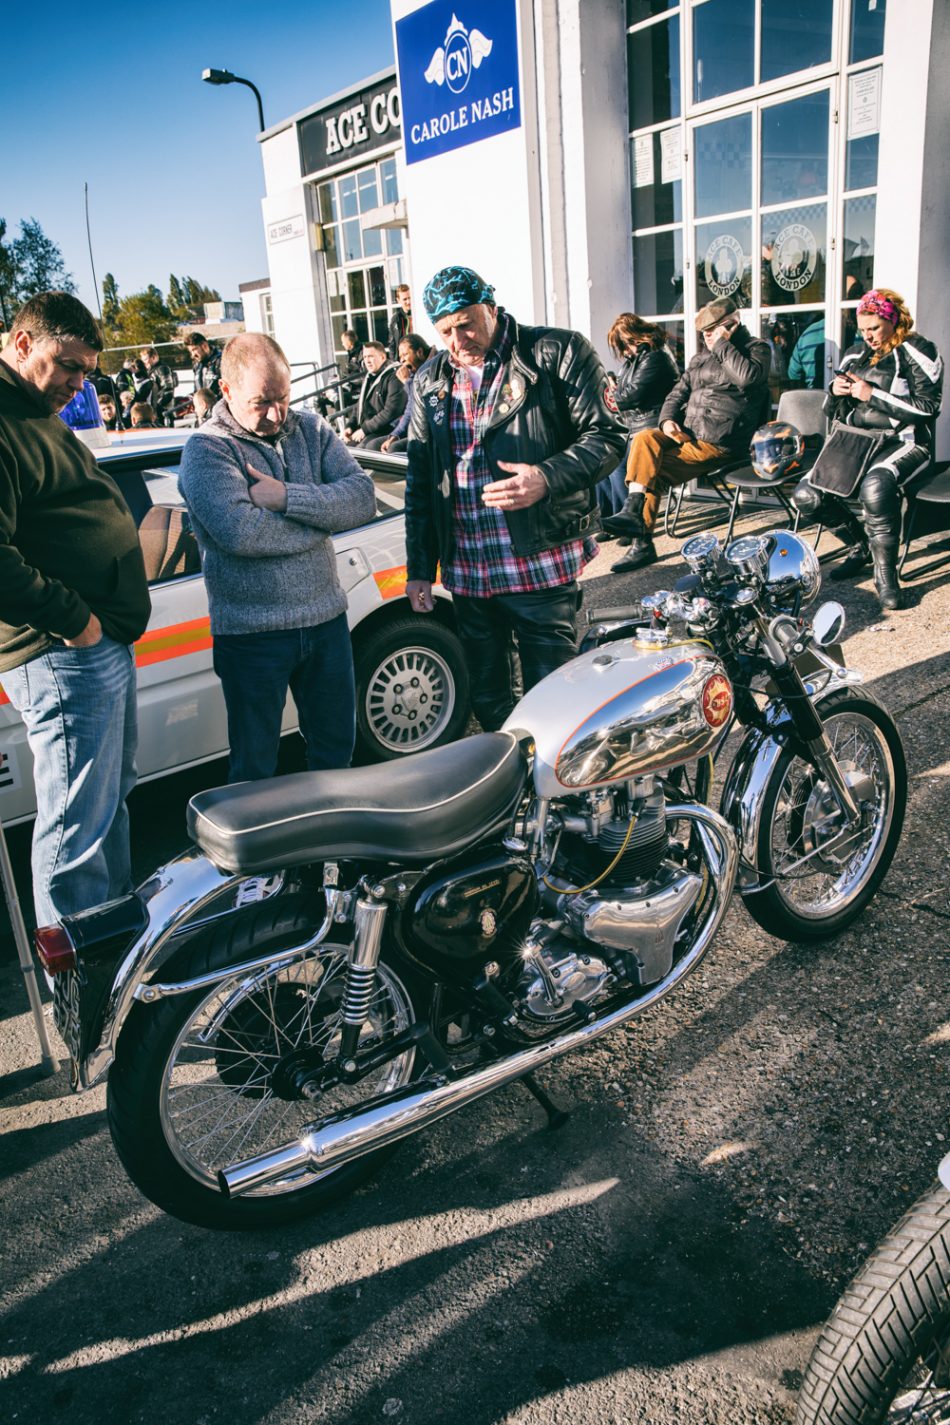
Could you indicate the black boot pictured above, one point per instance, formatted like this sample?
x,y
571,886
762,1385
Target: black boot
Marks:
x,y
629,518
851,531
642,552
884,551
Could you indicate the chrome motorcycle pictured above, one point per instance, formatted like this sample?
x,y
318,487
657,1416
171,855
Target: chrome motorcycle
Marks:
x,y
884,1356
343,958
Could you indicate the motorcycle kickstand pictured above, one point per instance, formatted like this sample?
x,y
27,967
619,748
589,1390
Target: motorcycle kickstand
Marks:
x,y
557,1117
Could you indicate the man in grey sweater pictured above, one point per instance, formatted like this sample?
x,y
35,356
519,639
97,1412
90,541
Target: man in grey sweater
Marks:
x,y
266,487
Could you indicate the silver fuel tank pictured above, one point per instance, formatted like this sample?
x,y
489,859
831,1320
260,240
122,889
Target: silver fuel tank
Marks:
x,y
621,711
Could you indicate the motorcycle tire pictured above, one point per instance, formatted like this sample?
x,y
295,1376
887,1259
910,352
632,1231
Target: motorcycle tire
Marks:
x,y
411,688
884,1355
194,1088
825,893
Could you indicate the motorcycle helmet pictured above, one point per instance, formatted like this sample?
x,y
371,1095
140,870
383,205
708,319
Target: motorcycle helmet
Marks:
x,y
776,451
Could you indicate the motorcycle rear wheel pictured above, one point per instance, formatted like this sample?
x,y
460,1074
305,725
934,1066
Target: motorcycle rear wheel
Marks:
x,y
194,1088
884,1356
809,892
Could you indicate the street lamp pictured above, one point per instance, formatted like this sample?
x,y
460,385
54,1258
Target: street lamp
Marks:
x,y
224,76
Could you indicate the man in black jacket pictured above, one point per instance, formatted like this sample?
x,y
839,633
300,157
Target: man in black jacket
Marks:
x,y
710,414
162,395
205,364
508,435
400,323
381,401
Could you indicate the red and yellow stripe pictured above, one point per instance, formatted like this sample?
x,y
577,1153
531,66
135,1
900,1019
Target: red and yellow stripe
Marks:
x,y
391,583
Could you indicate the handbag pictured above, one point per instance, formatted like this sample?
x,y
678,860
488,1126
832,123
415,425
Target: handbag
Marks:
x,y
846,457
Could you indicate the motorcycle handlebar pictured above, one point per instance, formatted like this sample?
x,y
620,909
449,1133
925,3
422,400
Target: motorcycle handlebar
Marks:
x,y
618,615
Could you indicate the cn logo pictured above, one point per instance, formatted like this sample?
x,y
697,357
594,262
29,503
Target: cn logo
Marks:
x,y
453,62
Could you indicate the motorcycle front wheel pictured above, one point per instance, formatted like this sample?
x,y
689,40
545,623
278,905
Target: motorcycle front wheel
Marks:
x,y
884,1356
815,877
200,1080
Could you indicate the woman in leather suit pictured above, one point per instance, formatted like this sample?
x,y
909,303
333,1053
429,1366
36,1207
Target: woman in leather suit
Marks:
x,y
890,380
645,378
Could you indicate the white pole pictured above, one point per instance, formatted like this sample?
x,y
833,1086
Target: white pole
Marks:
x,y
50,1062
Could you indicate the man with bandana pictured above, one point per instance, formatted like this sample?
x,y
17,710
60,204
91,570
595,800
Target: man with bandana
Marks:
x,y
508,436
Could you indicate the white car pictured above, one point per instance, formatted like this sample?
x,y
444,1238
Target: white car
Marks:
x,y
411,679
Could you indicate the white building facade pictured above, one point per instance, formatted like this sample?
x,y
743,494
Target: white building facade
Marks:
x,y
589,157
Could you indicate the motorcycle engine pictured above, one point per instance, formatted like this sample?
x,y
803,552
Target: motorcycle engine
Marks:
x,y
617,899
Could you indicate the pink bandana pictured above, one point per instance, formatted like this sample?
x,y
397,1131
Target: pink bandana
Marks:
x,y
880,306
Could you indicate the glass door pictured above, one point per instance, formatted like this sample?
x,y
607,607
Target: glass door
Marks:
x,y
763,180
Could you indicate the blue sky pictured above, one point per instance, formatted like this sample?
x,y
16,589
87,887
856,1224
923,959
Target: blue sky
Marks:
x,y
111,95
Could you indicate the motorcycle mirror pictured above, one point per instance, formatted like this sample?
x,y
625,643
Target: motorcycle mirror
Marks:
x,y
828,624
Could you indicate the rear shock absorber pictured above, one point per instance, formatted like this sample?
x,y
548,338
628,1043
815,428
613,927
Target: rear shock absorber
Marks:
x,y
360,983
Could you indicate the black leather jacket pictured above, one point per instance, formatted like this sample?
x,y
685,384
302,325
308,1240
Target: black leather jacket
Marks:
x,y
908,384
552,415
381,402
643,383
721,396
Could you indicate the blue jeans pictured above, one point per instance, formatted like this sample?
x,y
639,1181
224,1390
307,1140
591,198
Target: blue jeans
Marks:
x,y
79,708
611,491
256,669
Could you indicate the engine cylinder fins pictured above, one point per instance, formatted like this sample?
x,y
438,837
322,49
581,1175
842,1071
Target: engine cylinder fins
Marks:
x,y
639,859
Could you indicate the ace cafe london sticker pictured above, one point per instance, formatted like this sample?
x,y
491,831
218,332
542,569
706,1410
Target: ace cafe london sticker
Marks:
x,y
724,263
717,700
794,257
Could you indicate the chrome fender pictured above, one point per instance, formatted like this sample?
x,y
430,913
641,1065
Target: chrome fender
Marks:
x,y
743,795
174,897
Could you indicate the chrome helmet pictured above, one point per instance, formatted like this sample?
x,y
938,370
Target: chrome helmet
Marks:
x,y
777,450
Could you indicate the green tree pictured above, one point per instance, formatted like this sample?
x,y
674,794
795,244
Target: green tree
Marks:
x,y
110,301
176,299
196,294
39,262
8,297
142,319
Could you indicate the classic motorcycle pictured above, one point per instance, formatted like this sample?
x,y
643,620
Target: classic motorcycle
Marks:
x,y
884,1356
343,958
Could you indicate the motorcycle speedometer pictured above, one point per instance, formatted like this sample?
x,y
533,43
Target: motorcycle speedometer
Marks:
x,y
749,556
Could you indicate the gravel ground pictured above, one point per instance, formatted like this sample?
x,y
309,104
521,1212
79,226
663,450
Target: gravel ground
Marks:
x,y
667,1256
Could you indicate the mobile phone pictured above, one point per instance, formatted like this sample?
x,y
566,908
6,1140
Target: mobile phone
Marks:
x,y
843,371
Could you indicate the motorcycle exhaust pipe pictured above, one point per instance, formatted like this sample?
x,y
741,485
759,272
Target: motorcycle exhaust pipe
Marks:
x,y
342,1137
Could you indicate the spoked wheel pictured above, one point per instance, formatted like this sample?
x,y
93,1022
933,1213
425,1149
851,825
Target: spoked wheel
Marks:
x,y
884,1356
204,1081
817,874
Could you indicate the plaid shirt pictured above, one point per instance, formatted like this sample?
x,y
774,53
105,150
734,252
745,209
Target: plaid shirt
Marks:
x,y
483,561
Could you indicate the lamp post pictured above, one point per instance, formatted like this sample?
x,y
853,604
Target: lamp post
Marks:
x,y
224,76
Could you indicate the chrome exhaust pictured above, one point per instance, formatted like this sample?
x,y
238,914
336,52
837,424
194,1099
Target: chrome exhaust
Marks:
x,y
338,1139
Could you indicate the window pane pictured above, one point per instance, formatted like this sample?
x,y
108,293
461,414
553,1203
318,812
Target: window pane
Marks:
x,y
377,286
795,149
849,327
387,173
357,288
796,34
327,196
794,255
658,272
380,320
724,261
372,242
656,167
393,241
338,325
724,166
863,114
797,342
867,29
653,74
352,244
644,9
676,339
360,325
858,275
331,246
861,162
723,47
348,196
368,190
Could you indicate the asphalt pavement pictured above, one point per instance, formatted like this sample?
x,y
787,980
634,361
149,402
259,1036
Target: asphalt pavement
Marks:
x,y
667,1256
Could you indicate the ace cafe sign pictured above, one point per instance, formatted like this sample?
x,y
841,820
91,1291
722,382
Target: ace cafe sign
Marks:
x,y
458,74
365,120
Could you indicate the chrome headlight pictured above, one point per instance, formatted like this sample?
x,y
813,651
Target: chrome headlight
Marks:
x,y
793,566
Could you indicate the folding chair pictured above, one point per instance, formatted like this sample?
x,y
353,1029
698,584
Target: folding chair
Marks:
x,y
714,480
927,511
802,409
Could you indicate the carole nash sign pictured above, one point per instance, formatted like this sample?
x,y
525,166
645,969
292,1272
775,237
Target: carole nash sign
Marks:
x,y
458,74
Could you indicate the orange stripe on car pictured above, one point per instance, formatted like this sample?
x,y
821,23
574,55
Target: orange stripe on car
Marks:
x,y
391,582
160,644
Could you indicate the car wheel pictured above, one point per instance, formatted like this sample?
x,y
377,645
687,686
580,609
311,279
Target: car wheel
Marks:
x,y
411,689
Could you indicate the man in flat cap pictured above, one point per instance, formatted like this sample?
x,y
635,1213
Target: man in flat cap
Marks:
x,y
710,415
508,435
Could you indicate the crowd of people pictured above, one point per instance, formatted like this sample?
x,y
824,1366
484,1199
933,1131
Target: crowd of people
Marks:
x,y
517,443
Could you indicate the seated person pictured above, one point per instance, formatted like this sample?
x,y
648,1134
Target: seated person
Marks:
x,y
720,399
381,401
891,380
143,417
109,413
204,403
414,352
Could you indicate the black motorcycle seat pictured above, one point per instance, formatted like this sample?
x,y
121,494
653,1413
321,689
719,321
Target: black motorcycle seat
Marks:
x,y
414,810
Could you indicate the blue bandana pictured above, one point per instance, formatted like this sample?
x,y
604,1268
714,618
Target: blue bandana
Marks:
x,y
453,288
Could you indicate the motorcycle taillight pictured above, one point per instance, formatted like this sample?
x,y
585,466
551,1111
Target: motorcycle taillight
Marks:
x,y
55,948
